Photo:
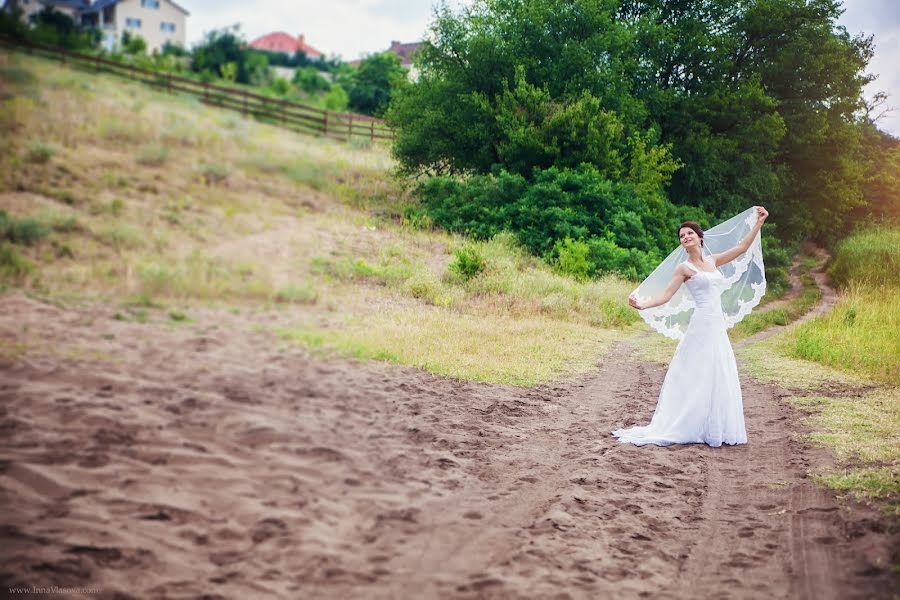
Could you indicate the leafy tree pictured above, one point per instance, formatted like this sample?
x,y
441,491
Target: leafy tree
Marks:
x,y
54,28
336,98
757,102
374,82
223,46
133,44
309,80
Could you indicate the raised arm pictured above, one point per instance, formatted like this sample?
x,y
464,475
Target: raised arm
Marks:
x,y
678,277
744,245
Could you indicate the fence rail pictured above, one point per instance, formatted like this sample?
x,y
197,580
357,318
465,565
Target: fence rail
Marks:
x,y
275,111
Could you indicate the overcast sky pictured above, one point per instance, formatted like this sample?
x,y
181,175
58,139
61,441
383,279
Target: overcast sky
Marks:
x,y
354,28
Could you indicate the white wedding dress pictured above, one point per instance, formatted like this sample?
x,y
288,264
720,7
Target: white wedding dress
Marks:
x,y
700,400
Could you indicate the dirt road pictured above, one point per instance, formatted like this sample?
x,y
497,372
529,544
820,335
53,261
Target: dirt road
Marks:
x,y
208,460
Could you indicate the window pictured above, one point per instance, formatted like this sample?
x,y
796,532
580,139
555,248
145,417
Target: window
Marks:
x,y
167,27
150,4
133,23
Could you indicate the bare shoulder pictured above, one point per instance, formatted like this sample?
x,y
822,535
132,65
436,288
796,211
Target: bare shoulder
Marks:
x,y
682,271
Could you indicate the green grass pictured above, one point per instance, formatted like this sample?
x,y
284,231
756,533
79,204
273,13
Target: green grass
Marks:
x,y
769,361
521,352
869,257
862,333
782,315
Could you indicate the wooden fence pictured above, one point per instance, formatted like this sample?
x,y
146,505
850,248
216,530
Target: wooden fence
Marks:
x,y
276,111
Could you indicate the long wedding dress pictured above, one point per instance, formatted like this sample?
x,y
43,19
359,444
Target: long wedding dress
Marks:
x,y
700,400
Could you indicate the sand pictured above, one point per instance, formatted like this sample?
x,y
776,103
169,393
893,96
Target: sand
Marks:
x,y
206,460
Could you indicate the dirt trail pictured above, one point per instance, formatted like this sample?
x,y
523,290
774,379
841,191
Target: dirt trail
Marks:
x,y
178,462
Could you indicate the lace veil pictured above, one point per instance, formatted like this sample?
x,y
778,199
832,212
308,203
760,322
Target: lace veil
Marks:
x,y
745,279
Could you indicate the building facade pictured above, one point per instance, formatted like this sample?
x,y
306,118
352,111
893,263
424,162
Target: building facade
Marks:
x,y
159,22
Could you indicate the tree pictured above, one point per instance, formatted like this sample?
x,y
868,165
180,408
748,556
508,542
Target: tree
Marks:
x,y
374,83
133,44
758,100
223,46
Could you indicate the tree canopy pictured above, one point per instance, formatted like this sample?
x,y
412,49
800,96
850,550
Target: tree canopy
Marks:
x,y
723,104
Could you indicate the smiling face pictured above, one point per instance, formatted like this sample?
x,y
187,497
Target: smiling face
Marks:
x,y
688,237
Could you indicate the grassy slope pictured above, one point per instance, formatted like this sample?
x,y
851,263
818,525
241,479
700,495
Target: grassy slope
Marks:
x,y
856,344
160,204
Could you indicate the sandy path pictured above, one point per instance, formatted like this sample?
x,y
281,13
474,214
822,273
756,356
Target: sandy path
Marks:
x,y
208,460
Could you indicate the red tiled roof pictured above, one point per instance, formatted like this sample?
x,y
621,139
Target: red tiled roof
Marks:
x,y
404,51
284,42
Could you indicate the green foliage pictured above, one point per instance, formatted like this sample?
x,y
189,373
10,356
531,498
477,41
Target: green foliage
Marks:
x,y
722,105
374,82
12,265
152,156
24,231
39,152
310,81
53,28
468,262
226,52
623,231
280,86
870,257
572,258
336,98
133,44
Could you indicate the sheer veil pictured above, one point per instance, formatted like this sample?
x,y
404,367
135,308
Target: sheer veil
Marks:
x,y
745,279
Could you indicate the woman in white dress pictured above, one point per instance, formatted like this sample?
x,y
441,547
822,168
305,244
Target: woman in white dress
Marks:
x,y
700,400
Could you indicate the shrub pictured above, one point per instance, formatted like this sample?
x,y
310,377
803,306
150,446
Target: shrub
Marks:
x,y
309,80
39,152
297,294
625,231
468,262
572,258
21,231
11,263
213,173
152,156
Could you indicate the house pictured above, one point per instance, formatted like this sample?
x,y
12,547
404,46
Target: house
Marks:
x,y
405,52
159,22
29,8
287,44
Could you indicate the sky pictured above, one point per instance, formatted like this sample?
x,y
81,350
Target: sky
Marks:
x,y
355,28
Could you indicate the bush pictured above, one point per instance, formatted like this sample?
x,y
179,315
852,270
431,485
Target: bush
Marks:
x,y
336,98
39,152
572,258
21,231
309,80
11,264
468,262
624,231
153,156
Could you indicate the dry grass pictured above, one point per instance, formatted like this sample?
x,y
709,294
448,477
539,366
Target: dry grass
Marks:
x,y
172,203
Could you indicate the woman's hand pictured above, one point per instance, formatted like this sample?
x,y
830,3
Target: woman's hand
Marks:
x,y
634,302
761,213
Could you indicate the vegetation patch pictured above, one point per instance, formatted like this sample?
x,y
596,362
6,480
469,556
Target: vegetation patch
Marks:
x,y
521,352
864,434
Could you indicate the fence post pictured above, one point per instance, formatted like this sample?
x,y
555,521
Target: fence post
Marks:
x,y
349,128
244,94
372,131
325,132
206,92
169,82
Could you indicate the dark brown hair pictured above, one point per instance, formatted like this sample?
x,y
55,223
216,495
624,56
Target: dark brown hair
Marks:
x,y
693,225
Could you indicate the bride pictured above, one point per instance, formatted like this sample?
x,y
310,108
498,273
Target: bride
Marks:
x,y
700,400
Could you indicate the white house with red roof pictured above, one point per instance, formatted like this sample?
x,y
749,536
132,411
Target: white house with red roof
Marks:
x,y
280,41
